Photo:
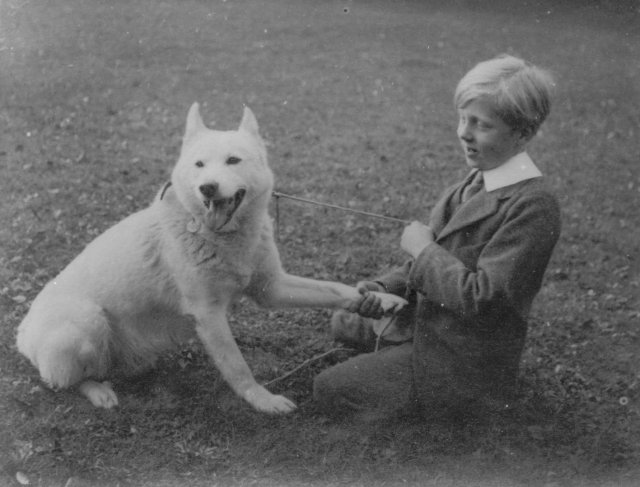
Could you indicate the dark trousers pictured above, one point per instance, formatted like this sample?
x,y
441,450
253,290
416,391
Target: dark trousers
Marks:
x,y
371,386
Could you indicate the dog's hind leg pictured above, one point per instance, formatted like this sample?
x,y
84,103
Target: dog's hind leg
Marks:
x,y
68,341
75,362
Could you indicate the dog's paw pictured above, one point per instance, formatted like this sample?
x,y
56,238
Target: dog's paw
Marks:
x,y
262,400
100,394
390,303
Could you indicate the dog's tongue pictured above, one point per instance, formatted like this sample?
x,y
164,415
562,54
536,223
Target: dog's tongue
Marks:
x,y
220,213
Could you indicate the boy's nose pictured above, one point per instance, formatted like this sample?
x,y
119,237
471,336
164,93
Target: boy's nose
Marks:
x,y
464,133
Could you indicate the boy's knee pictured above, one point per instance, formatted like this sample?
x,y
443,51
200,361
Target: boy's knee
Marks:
x,y
337,394
325,391
340,399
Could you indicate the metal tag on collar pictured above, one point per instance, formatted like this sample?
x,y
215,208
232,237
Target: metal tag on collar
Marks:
x,y
193,226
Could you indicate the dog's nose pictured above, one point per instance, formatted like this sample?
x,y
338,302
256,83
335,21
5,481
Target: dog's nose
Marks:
x,y
209,190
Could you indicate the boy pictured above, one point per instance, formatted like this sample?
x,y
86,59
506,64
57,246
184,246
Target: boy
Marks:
x,y
474,270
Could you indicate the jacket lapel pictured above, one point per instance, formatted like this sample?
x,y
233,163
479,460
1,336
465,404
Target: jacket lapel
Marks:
x,y
440,213
478,207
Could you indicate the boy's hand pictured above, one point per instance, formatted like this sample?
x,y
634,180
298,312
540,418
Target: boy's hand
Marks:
x,y
415,238
390,303
371,305
376,301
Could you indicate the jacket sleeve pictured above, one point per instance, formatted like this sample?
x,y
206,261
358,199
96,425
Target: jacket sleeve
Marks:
x,y
509,269
395,281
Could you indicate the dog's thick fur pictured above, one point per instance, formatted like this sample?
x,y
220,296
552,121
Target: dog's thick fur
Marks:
x,y
205,240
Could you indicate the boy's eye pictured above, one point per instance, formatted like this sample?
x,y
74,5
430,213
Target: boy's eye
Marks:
x,y
485,122
231,160
199,164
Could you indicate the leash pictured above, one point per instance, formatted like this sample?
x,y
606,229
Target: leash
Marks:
x,y
277,195
306,363
320,356
392,321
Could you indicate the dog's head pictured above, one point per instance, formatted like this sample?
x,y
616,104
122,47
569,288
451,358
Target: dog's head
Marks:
x,y
221,175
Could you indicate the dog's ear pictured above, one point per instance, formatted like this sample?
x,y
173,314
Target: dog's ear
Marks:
x,y
249,123
194,122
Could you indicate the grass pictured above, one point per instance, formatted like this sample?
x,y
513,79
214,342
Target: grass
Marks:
x,y
354,101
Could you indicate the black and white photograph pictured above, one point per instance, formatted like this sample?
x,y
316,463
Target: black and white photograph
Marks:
x,y
368,243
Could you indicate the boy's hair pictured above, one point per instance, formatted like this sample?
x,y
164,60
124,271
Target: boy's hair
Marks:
x,y
520,91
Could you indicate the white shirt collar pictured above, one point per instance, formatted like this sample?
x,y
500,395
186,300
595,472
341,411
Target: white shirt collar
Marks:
x,y
519,168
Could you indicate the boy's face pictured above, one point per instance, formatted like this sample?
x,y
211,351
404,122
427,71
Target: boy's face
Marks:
x,y
487,141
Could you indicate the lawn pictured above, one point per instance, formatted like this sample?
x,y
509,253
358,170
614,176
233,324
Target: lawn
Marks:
x,y
354,100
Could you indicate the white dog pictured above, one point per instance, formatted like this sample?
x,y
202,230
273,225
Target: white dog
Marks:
x,y
205,240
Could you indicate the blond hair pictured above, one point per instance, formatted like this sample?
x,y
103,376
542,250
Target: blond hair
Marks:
x,y
520,92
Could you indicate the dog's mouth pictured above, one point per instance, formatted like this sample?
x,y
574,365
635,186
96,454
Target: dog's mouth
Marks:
x,y
220,211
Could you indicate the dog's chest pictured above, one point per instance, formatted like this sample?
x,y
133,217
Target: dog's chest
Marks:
x,y
224,264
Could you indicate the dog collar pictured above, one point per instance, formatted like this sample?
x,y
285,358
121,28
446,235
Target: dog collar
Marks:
x,y
165,188
193,226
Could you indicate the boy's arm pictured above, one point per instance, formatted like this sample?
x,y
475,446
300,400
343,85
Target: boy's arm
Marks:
x,y
509,269
395,281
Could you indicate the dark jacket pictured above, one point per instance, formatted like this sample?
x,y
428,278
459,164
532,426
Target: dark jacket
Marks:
x,y
471,290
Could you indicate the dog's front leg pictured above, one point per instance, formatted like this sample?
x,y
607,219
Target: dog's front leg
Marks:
x,y
213,329
286,290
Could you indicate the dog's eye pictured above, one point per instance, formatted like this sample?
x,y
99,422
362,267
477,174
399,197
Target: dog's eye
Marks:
x,y
233,160
199,164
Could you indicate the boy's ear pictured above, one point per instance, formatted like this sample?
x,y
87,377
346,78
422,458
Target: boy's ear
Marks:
x,y
526,134
194,122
